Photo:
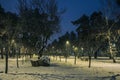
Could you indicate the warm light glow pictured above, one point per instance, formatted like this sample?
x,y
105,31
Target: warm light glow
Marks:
x,y
113,45
73,47
13,41
67,42
53,47
82,48
3,49
76,49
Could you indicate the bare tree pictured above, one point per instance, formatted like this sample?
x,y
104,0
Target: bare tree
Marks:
x,y
111,13
39,18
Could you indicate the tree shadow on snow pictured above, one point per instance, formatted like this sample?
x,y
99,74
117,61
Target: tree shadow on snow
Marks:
x,y
51,76
63,66
113,77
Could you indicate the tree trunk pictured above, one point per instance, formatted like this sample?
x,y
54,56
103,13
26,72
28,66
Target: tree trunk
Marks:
x,y
17,58
89,61
40,53
22,58
89,57
60,58
114,61
17,61
75,59
110,57
95,55
56,57
65,59
6,60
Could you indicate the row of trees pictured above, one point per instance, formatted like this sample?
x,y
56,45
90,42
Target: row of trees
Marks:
x,y
32,27
64,45
96,33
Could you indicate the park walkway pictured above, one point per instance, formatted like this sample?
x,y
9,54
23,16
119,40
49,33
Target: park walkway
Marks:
x,y
60,71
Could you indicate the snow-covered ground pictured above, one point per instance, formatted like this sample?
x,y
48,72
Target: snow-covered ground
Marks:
x,y
61,70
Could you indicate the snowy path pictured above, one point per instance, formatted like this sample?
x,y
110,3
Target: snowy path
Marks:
x,y
61,71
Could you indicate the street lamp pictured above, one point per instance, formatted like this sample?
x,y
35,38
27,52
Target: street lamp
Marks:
x,y
4,49
67,42
76,49
67,45
75,53
113,44
13,41
73,47
67,51
15,51
82,50
53,48
20,36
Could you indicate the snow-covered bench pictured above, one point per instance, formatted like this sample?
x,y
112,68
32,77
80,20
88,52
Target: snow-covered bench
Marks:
x,y
43,61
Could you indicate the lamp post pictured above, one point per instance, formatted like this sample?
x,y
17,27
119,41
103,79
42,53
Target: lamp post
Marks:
x,y
67,42
16,51
60,54
75,53
20,36
67,51
82,51
53,52
22,51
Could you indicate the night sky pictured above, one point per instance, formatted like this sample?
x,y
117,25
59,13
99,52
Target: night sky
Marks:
x,y
74,9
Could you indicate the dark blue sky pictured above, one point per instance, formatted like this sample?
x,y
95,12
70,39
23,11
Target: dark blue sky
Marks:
x,y
74,9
